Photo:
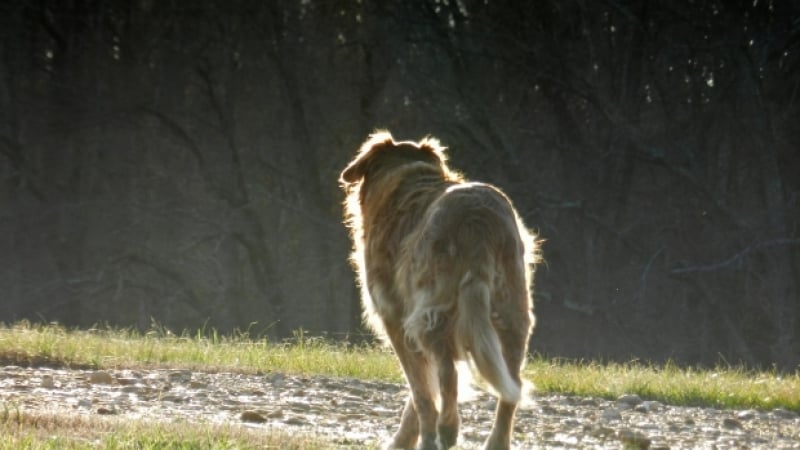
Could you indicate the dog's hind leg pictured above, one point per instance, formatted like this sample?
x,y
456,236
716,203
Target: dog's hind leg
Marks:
x,y
417,370
449,420
408,433
429,328
500,437
513,333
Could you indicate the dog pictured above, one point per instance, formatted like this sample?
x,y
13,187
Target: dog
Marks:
x,y
445,267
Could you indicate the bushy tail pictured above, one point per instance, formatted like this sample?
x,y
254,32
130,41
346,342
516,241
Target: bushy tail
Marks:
x,y
479,338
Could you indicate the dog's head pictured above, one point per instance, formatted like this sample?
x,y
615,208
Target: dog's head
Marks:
x,y
381,153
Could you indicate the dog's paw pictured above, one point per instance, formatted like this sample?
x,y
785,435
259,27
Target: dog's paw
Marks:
x,y
447,437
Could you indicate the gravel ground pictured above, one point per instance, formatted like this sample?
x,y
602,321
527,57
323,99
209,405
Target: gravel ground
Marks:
x,y
355,412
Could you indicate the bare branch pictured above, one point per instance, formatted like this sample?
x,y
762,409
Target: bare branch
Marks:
x,y
735,260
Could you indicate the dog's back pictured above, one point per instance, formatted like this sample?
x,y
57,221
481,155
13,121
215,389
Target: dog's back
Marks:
x,y
464,273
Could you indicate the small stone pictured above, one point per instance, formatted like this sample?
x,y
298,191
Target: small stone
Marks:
x,y
629,399
180,376
197,385
277,414
548,434
652,406
106,411
303,407
173,398
632,439
47,382
549,410
295,421
100,377
611,414
276,378
731,424
252,417
601,432
351,417
782,413
748,414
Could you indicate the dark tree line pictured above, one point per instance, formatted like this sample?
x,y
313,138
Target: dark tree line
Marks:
x,y
178,162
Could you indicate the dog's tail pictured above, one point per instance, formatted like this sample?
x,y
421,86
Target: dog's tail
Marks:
x,y
479,338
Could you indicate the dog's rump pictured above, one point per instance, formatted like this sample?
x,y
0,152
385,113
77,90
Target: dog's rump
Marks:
x,y
469,219
471,229
467,267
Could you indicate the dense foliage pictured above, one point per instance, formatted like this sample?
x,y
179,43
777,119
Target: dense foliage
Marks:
x,y
179,160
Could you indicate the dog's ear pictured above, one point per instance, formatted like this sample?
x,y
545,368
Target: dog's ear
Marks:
x,y
354,171
432,145
357,168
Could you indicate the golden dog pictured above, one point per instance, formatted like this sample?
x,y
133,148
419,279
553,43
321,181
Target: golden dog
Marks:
x,y
445,267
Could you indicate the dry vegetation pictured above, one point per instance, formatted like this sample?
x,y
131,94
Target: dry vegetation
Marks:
x,y
51,431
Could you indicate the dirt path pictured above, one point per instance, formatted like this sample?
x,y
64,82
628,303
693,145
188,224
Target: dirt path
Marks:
x,y
352,411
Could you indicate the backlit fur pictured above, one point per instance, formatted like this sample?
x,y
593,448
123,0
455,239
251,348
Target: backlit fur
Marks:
x,y
445,267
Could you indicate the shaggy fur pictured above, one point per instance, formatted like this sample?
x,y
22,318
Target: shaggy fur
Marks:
x,y
445,267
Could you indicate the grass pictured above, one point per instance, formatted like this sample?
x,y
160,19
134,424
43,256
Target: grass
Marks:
x,y
721,387
108,348
53,345
41,431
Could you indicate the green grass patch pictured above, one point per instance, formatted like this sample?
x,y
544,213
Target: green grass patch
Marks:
x,y
108,348
721,387
725,387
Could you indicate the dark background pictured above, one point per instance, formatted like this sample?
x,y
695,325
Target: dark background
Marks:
x,y
177,161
